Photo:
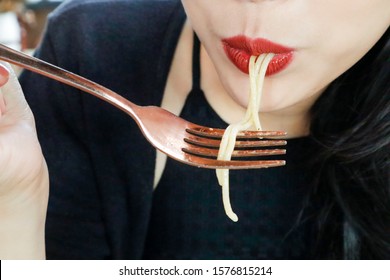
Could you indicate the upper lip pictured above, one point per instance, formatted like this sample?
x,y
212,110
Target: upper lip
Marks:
x,y
255,46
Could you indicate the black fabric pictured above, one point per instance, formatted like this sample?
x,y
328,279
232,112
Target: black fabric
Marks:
x,y
196,64
101,167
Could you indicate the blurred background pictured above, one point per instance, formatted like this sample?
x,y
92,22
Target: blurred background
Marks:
x,y
23,21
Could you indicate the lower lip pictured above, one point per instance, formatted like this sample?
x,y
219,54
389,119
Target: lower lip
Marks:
x,y
240,58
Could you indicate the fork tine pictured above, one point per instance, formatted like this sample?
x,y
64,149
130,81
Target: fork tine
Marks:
x,y
218,133
204,142
202,151
215,143
231,164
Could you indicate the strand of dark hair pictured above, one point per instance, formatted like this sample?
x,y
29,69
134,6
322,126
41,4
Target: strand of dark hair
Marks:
x,y
350,197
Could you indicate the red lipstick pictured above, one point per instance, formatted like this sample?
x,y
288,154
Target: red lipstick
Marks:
x,y
239,49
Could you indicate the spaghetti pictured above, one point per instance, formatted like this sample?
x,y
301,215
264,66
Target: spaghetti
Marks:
x,y
257,70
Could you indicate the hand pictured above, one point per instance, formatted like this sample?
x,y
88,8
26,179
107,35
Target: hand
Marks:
x,y
23,168
24,180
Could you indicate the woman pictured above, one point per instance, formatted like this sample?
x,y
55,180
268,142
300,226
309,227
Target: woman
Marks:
x,y
329,90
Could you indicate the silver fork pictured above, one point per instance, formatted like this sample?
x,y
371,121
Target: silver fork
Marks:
x,y
181,140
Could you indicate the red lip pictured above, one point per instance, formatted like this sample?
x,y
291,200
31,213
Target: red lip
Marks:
x,y
239,49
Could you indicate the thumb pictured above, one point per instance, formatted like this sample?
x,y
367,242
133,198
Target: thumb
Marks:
x,y
13,105
4,75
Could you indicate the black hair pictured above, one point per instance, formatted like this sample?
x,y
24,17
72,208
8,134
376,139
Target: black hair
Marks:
x,y
350,126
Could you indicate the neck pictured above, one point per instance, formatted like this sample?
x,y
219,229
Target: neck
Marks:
x,y
296,124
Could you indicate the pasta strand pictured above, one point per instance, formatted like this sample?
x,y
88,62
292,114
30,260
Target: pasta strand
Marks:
x,y
257,70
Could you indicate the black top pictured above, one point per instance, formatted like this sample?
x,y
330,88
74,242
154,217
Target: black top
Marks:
x,y
101,168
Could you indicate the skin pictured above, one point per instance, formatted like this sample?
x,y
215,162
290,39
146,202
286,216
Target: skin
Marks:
x,y
328,38
3,80
24,182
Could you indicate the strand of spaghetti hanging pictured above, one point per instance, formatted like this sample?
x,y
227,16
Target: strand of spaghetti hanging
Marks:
x,y
257,70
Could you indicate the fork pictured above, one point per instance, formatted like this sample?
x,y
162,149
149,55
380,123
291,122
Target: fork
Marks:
x,y
181,140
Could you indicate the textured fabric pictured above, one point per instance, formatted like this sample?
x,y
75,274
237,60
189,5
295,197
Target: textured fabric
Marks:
x,y
101,168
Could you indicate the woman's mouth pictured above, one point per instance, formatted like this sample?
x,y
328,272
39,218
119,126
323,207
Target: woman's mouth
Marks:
x,y
239,49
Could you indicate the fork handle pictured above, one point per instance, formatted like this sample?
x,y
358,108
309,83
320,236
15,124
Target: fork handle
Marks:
x,y
51,71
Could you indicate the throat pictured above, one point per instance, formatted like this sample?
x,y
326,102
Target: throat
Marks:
x,y
296,125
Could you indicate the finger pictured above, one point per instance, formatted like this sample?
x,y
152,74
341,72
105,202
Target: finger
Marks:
x,y
4,75
14,102
2,104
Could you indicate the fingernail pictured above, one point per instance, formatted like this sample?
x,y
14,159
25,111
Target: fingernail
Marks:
x,y
4,75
